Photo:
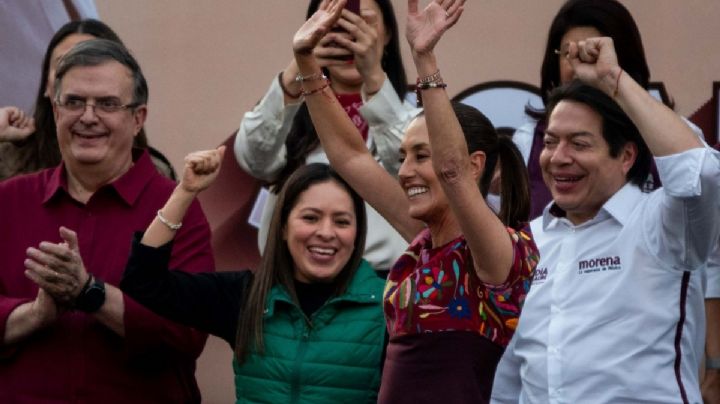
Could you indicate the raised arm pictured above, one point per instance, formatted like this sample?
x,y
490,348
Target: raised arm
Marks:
x,y
201,169
208,301
595,62
687,228
457,170
260,141
342,143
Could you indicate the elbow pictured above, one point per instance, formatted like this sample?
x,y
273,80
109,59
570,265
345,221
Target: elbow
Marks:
x,y
449,171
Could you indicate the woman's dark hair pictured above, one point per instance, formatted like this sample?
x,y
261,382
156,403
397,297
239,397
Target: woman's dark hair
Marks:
x,y
611,19
617,128
40,150
277,265
480,135
303,138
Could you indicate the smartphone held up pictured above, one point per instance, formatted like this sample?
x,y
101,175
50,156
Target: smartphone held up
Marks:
x,y
354,6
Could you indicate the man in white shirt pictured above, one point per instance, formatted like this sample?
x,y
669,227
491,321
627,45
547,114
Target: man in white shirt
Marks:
x,y
615,312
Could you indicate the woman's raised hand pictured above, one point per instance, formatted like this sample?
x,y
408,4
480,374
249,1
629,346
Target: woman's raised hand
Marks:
x,y
15,124
201,169
310,34
425,28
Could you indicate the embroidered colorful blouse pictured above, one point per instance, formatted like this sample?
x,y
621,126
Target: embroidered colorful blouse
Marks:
x,y
437,289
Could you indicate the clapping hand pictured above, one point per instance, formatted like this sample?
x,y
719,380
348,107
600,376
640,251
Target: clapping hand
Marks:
x,y
14,124
201,169
58,268
426,27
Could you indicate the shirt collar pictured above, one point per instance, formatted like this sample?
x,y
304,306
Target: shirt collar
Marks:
x,y
128,186
620,204
616,206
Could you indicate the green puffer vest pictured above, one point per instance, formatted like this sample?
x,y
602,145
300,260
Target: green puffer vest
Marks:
x,y
333,359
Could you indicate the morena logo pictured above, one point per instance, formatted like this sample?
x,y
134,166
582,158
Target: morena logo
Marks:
x,y
611,263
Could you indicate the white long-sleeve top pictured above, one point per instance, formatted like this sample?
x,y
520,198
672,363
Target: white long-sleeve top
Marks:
x,y
260,150
615,312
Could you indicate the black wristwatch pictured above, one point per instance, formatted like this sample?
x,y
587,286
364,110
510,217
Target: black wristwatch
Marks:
x,y
91,297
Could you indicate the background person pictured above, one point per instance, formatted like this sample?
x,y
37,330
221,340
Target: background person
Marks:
x,y
368,77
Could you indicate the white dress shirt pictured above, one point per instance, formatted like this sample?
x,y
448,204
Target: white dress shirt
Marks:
x,y
712,290
615,312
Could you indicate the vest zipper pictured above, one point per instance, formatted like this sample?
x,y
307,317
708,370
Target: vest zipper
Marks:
x,y
302,349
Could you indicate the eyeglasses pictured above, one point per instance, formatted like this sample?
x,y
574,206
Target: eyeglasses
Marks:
x,y
100,107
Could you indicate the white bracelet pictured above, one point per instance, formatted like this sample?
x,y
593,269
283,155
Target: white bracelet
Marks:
x,y
171,226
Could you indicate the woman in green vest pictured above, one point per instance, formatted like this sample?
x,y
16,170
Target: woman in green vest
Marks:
x,y
307,326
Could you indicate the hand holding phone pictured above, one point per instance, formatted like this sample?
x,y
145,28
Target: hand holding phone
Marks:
x,y
353,5
350,5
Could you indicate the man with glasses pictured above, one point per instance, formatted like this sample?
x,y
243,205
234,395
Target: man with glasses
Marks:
x,y
66,332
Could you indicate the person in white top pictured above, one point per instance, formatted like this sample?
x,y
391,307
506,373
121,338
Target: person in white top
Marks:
x,y
615,311
364,65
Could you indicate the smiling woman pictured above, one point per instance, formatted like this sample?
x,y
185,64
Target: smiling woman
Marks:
x,y
320,232
312,309
452,300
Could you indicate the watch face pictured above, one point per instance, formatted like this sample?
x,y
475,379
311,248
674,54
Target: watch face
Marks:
x,y
93,298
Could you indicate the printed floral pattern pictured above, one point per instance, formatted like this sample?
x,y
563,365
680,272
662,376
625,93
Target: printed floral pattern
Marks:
x,y
436,289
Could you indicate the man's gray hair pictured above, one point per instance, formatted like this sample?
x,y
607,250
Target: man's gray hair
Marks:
x,y
96,52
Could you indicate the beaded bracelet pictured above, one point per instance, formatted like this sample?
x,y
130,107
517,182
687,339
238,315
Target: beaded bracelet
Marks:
x,y
315,76
170,225
316,90
425,86
429,79
285,90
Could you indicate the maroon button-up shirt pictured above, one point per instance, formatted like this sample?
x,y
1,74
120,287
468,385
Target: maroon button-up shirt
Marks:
x,y
78,359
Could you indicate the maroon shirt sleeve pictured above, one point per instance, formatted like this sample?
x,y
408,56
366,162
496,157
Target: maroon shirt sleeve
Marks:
x,y
144,330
